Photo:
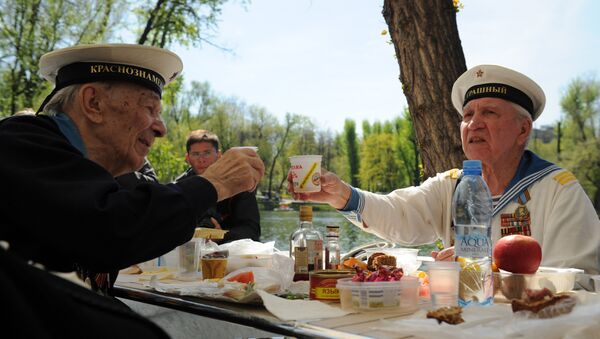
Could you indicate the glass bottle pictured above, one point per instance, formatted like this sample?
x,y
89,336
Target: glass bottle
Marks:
x,y
306,246
472,216
332,248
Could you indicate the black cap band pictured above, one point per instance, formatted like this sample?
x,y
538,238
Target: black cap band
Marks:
x,y
501,91
84,72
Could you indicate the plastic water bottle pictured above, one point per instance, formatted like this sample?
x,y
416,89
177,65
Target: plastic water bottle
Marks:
x,y
472,215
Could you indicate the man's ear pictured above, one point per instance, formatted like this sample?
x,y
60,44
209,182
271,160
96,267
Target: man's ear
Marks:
x,y
526,126
187,158
219,154
91,96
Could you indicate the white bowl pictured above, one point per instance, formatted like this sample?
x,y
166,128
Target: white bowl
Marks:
x,y
513,285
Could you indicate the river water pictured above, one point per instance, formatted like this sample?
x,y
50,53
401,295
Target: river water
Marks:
x,y
279,225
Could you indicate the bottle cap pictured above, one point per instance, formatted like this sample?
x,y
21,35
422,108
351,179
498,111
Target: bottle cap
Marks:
x,y
333,228
306,213
332,231
472,167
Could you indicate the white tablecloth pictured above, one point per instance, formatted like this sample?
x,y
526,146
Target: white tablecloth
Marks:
x,y
498,321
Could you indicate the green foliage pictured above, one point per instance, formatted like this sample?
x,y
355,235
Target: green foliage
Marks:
x,y
579,136
584,161
351,143
581,154
580,103
30,28
379,170
389,155
186,22
167,160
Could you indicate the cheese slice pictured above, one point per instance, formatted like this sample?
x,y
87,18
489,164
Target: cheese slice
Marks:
x,y
209,233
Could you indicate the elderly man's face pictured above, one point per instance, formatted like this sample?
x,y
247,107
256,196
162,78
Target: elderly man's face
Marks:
x,y
493,131
201,155
133,119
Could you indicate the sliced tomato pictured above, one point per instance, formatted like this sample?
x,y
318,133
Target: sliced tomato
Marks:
x,y
244,277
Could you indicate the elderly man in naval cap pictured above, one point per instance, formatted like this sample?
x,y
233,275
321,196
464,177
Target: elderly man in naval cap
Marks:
x,y
60,204
531,196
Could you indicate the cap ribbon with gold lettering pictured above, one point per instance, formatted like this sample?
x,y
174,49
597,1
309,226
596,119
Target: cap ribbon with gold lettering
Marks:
x,y
501,91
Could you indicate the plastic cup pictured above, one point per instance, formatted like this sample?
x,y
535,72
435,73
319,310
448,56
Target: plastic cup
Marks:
x,y
189,260
213,268
254,148
443,283
306,173
214,264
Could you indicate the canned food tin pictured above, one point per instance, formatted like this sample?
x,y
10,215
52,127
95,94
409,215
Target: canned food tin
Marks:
x,y
323,284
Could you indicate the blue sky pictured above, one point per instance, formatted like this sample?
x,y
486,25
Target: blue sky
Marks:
x,y
327,60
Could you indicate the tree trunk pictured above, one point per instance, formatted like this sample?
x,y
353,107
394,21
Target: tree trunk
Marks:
x,y
289,123
430,56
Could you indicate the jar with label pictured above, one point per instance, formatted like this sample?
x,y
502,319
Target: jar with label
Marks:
x,y
306,246
332,248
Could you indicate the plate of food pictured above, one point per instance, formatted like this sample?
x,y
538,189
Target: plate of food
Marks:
x,y
239,286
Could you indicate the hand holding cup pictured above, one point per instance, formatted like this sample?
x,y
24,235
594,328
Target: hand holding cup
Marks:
x,y
238,170
333,191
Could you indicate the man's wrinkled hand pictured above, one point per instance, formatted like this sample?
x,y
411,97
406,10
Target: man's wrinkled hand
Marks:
x,y
238,170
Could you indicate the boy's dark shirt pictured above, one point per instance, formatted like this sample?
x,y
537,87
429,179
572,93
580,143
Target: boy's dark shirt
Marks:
x,y
238,214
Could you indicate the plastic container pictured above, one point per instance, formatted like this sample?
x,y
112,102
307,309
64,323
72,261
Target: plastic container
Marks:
x,y
405,257
384,295
512,285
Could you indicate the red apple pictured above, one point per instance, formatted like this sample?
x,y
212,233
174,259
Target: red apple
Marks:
x,y
517,254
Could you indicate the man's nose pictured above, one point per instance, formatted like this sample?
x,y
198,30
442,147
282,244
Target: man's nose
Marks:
x,y
476,121
159,128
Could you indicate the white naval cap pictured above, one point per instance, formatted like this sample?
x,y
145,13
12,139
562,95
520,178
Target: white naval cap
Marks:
x,y
148,66
498,82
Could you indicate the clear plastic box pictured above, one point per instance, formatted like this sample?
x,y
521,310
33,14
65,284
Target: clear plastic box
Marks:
x,y
382,295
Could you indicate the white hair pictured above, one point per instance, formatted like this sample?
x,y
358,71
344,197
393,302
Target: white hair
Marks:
x,y
61,100
25,111
523,114
65,97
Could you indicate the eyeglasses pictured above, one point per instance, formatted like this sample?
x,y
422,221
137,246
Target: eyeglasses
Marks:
x,y
204,154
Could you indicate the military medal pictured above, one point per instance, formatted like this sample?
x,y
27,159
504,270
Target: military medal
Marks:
x,y
518,222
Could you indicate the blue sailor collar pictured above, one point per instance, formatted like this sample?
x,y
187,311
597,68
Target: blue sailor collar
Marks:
x,y
531,169
70,131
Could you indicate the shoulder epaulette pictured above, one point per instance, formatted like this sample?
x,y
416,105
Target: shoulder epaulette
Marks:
x,y
452,174
564,177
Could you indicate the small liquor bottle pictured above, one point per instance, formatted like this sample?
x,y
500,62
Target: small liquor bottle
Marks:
x,y
306,246
332,249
